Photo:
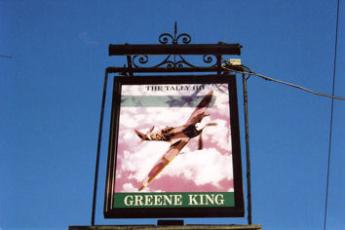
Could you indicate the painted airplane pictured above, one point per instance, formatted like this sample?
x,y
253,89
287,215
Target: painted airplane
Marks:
x,y
177,136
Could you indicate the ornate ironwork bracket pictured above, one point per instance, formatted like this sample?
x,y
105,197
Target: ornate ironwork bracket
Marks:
x,y
171,55
173,50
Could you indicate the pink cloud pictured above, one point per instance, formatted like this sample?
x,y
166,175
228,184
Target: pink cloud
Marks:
x,y
195,171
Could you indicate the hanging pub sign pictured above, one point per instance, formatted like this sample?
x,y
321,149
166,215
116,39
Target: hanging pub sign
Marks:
x,y
174,148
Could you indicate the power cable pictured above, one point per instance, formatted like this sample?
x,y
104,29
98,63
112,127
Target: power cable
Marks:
x,y
331,120
245,70
5,56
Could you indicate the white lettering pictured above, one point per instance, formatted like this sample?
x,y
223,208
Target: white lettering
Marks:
x,y
206,199
192,199
128,200
219,199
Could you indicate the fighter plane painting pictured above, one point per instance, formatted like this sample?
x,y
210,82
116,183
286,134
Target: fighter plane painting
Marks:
x,y
177,136
183,146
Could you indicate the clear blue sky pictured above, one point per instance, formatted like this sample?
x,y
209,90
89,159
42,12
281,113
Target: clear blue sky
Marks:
x,y
50,93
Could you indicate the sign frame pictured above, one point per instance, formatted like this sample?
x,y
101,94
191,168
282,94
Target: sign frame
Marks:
x,y
174,212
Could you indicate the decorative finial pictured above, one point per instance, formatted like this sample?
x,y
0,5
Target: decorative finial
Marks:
x,y
174,38
175,33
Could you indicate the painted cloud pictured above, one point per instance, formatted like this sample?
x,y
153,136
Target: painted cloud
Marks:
x,y
193,170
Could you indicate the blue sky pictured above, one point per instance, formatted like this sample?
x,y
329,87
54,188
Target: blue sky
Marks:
x,y
50,93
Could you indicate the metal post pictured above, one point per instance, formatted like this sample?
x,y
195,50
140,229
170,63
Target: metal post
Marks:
x,y
98,152
246,125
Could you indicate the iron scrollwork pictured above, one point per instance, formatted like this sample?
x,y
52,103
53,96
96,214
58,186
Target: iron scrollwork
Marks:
x,y
183,38
139,60
173,61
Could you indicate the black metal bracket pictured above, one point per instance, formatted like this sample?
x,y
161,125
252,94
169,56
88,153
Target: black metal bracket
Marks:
x,y
148,58
173,54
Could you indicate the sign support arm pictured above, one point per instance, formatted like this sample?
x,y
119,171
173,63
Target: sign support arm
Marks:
x,y
248,165
98,151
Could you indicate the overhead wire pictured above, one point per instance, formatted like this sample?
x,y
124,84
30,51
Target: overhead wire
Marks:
x,y
330,137
5,56
245,70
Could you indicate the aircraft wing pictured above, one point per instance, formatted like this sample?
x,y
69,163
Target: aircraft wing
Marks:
x,y
200,107
173,151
